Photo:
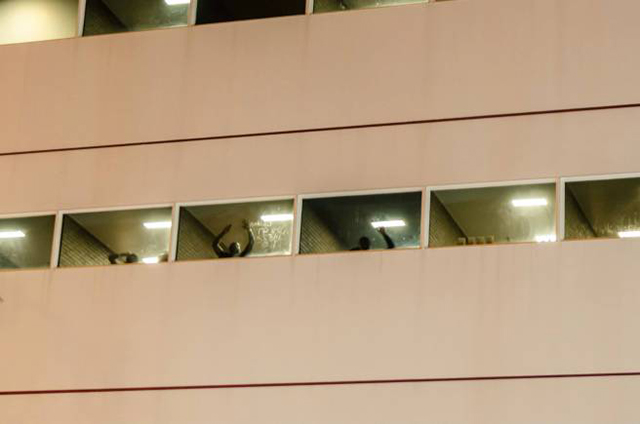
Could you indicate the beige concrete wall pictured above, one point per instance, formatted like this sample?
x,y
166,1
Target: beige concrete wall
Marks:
x,y
505,149
516,402
445,59
453,312
469,311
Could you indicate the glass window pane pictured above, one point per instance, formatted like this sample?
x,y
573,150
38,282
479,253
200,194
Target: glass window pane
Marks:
x,y
604,208
35,20
26,242
379,221
211,11
235,229
109,16
506,214
320,6
115,237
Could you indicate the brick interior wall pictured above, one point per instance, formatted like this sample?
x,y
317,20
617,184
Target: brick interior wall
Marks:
x,y
79,247
443,230
577,225
194,239
315,235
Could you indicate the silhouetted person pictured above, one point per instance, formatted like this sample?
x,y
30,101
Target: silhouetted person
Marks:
x,y
365,244
123,258
234,248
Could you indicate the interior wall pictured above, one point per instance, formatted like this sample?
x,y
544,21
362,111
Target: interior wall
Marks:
x,y
79,247
443,230
195,241
577,225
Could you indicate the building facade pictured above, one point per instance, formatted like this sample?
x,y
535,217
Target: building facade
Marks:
x,y
439,99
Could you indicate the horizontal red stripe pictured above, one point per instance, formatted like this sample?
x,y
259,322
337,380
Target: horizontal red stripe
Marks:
x,y
323,129
318,383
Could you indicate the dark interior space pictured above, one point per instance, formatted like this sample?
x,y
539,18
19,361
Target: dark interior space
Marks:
x,y
212,11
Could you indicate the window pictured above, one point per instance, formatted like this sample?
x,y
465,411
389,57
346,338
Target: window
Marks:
x,y
109,16
115,237
498,214
210,11
26,242
36,20
320,6
602,208
360,222
261,228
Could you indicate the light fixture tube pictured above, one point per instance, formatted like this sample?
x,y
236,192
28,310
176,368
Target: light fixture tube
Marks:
x,y
277,217
525,203
11,234
157,225
388,224
629,234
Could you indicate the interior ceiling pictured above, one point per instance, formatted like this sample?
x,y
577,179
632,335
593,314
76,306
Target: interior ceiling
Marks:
x,y
141,14
123,231
272,237
488,211
609,205
350,217
35,248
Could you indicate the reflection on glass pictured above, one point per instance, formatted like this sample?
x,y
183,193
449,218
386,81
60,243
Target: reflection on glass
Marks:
x,y
602,208
109,16
36,20
506,214
26,242
115,237
210,11
378,221
235,230
320,6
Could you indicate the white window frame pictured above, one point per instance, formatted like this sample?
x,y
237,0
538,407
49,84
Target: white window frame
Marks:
x,y
597,177
510,183
302,197
57,237
230,201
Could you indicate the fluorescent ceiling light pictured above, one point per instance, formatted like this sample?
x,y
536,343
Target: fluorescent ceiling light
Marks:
x,y
629,234
151,260
547,238
523,203
11,234
388,224
177,2
277,217
157,225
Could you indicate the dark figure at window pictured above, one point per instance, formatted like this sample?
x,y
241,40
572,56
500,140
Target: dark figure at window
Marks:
x,y
123,258
365,244
234,248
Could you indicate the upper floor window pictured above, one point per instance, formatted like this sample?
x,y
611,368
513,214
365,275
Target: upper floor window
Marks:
x,y
360,222
495,214
36,20
210,11
602,208
109,16
320,6
26,242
